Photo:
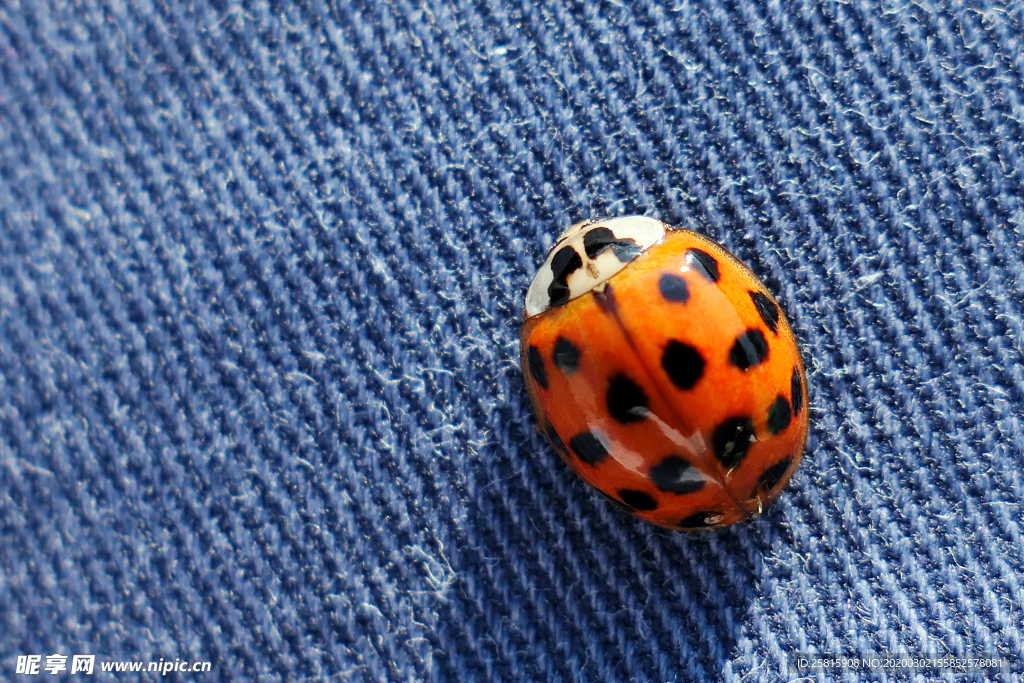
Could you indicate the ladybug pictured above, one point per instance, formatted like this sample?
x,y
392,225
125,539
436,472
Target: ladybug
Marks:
x,y
664,372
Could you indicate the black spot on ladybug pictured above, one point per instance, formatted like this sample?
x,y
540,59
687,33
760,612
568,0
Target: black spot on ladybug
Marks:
x,y
626,400
770,479
626,250
704,263
558,293
588,447
563,264
675,475
701,520
767,309
683,364
638,500
796,389
779,415
566,355
536,362
598,240
605,299
749,349
732,439
673,288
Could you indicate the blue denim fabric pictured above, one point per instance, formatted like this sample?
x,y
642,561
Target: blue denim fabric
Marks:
x,y
261,278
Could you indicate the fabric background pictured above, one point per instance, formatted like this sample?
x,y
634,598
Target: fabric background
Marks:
x,y
261,278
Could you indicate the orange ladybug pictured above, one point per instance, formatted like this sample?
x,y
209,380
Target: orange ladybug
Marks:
x,y
664,372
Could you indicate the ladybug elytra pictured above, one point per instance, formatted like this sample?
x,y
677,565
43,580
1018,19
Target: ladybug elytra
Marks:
x,y
664,372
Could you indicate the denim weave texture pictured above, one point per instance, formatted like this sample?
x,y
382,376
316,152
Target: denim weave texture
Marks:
x,y
262,269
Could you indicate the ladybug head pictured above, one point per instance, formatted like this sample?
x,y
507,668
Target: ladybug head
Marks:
x,y
586,256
